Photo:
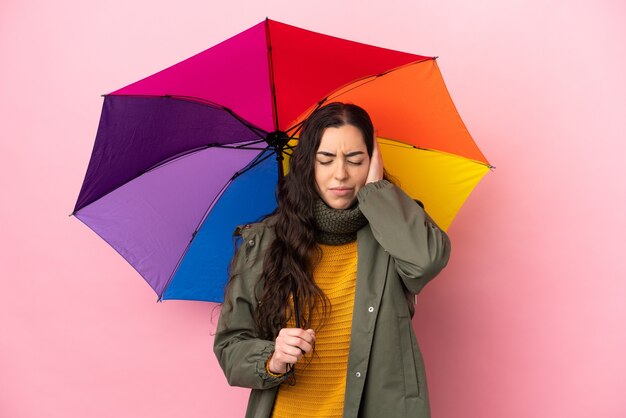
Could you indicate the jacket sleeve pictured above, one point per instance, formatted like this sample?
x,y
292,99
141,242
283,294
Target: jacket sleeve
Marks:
x,y
404,230
240,353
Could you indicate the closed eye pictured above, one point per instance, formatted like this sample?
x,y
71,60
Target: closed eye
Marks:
x,y
355,162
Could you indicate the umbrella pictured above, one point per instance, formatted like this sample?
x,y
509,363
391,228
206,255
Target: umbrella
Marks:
x,y
183,156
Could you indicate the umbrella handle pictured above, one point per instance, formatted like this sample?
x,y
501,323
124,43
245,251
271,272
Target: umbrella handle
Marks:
x,y
291,376
296,310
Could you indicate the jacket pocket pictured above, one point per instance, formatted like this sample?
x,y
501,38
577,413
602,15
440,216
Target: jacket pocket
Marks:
x,y
411,382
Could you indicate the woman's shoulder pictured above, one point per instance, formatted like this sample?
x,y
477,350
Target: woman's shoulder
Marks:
x,y
254,239
261,228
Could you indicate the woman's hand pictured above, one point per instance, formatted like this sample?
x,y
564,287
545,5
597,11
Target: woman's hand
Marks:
x,y
376,165
291,345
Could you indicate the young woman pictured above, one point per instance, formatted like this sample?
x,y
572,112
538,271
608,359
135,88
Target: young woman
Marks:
x,y
318,308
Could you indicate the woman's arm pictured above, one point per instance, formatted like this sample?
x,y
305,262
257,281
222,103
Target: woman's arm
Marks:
x,y
419,247
240,353
402,227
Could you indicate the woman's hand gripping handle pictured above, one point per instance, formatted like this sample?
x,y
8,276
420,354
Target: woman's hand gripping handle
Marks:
x,y
291,345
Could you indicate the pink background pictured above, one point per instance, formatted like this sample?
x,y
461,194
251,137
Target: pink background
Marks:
x,y
527,321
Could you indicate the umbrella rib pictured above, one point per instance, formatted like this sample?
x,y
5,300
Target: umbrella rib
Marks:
x,y
258,160
244,146
260,132
300,124
194,150
180,260
172,159
270,64
297,128
394,143
257,131
330,97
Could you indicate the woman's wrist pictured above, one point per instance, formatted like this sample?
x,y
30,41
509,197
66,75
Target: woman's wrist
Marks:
x,y
269,371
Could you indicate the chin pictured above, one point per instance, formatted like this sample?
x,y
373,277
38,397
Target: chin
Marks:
x,y
340,204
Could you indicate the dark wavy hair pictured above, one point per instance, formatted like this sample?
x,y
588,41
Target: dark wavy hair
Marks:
x,y
289,262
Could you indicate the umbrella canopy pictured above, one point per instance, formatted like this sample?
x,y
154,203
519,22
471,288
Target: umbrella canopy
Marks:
x,y
183,156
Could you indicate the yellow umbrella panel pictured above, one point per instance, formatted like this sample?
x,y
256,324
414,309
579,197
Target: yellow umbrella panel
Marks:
x,y
441,181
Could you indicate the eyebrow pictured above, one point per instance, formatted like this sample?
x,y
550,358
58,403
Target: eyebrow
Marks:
x,y
348,155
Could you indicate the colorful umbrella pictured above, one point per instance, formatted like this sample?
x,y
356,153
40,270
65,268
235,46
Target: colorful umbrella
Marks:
x,y
183,156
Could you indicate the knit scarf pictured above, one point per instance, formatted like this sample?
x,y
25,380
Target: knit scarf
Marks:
x,y
337,226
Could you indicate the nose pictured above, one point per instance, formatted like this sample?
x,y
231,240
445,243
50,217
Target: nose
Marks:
x,y
341,173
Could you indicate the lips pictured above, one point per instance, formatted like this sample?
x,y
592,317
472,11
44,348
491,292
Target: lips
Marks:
x,y
341,191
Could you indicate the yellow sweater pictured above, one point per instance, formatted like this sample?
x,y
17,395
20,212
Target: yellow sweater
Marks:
x,y
321,379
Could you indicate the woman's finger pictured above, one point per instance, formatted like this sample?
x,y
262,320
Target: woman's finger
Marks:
x,y
290,350
300,343
278,362
286,343
306,335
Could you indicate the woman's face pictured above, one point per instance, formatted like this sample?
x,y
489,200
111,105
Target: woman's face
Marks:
x,y
341,166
